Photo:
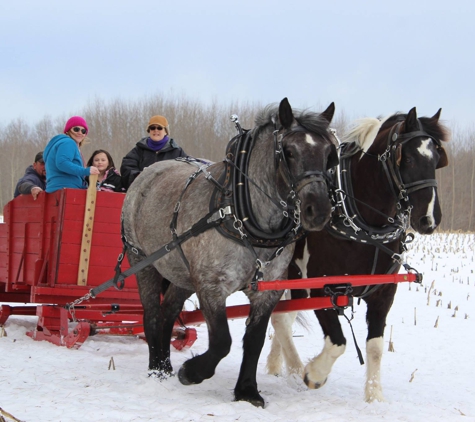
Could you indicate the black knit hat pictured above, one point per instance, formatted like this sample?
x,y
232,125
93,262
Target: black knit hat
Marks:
x,y
39,158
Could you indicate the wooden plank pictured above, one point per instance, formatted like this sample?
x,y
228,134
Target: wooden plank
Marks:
x,y
86,242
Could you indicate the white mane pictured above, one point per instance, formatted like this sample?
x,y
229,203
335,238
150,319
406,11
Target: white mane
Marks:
x,y
364,132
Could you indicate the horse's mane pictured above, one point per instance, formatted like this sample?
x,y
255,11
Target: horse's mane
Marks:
x,y
310,120
366,130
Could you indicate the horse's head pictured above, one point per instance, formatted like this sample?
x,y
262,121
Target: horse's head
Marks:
x,y
306,151
416,151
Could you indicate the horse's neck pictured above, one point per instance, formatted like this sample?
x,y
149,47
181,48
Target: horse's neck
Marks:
x,y
372,190
262,172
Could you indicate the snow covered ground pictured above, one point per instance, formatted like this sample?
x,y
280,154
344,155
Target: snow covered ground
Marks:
x,y
429,377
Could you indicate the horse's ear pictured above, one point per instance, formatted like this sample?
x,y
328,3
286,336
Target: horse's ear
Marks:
x,y
286,117
412,124
435,118
443,159
328,113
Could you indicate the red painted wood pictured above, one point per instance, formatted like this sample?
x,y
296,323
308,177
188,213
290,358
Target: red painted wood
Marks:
x,y
320,282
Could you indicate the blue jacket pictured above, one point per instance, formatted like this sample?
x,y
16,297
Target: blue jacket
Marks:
x,y
30,179
64,164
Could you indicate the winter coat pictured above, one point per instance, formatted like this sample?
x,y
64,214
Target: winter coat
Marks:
x,y
112,182
30,179
142,156
64,164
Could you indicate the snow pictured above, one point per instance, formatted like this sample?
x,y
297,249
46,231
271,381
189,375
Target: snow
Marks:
x,y
43,382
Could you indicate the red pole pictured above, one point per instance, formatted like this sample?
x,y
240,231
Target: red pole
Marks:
x,y
320,282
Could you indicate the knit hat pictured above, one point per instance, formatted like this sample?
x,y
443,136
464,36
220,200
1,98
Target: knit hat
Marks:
x,y
158,120
75,121
39,158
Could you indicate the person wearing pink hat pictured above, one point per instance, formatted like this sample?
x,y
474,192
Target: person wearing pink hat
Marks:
x,y
157,146
63,160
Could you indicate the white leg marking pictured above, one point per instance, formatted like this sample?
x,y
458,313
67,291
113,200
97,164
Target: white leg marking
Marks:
x,y
374,353
275,358
282,324
283,347
318,369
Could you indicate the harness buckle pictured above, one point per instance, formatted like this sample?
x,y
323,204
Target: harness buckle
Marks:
x,y
279,251
223,212
397,258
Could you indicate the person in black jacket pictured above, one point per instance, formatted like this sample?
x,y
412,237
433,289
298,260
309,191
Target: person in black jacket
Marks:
x,y
109,179
34,179
158,146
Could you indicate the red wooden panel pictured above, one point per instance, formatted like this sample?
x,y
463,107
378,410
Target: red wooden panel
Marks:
x,y
53,236
76,212
61,296
25,273
101,256
67,274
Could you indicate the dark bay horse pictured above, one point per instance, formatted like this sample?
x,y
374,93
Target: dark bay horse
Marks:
x,y
387,182
253,206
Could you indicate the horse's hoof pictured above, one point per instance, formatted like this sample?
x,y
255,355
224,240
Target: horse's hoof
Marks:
x,y
159,374
313,385
252,397
183,378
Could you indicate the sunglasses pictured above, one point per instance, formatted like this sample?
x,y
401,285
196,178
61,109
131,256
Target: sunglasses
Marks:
x,y
78,129
155,128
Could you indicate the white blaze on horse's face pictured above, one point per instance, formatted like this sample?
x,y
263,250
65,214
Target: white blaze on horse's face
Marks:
x,y
309,139
430,210
425,150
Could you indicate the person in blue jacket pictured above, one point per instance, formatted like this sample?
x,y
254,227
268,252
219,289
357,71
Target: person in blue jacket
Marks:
x,y
64,162
34,179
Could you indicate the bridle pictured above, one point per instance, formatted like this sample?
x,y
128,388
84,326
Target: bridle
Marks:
x,y
297,183
389,160
238,156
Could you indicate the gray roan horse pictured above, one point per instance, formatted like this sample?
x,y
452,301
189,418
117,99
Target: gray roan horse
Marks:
x,y
387,183
239,219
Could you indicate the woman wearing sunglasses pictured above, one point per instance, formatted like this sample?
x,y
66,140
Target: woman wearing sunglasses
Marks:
x,y
157,146
64,162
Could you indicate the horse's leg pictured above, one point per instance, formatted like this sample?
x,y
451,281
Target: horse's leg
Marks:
x,y
262,305
171,307
149,282
275,358
202,367
283,346
378,306
318,369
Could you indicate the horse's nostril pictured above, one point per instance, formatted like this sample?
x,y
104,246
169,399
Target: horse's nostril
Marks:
x,y
310,210
426,221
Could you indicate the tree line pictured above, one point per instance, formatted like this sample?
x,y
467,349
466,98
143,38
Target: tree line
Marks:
x,y
203,130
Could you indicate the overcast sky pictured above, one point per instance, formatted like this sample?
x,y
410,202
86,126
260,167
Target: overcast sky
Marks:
x,y
370,57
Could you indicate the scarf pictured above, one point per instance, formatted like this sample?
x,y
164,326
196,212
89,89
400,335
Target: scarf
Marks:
x,y
157,145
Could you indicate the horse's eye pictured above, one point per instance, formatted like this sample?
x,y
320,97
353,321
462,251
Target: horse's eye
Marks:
x,y
288,153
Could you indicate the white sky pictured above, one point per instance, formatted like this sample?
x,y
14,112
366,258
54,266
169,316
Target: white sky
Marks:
x,y
370,57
